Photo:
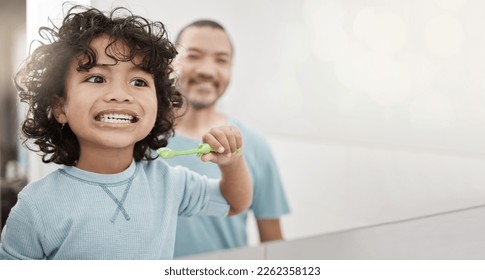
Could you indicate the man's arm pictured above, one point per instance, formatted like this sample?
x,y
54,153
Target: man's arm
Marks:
x,y
269,230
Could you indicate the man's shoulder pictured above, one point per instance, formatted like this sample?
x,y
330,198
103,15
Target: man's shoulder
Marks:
x,y
248,131
255,143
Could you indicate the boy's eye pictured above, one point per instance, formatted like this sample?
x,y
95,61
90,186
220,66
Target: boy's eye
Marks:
x,y
138,83
95,79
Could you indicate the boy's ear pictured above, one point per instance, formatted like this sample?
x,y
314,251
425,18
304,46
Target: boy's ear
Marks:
x,y
58,110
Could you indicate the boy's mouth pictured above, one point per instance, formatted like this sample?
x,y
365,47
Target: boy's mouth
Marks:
x,y
116,118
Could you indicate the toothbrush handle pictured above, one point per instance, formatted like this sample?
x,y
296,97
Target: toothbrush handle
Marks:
x,y
186,152
205,148
201,150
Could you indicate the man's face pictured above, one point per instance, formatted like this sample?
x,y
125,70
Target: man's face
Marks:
x,y
203,66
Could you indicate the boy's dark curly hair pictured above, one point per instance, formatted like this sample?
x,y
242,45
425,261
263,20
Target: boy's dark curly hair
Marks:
x,y
41,79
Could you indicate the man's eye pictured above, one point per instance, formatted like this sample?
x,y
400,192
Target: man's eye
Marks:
x,y
138,83
222,61
95,79
192,57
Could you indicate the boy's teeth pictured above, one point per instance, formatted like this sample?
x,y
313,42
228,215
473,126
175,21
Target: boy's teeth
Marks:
x,y
115,118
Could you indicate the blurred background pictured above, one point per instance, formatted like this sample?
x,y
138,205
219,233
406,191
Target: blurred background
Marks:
x,y
374,109
12,51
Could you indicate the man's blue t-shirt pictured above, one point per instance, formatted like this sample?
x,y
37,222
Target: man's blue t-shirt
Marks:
x,y
204,234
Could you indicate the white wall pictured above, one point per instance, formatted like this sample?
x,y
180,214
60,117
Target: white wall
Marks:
x,y
335,186
375,109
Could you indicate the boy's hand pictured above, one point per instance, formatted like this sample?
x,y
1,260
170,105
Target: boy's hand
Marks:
x,y
226,140
235,183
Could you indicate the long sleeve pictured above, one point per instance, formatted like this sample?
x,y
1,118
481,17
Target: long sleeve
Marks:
x,y
25,230
74,214
204,199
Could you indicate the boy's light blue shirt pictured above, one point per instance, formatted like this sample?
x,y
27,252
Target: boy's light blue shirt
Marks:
x,y
204,234
75,214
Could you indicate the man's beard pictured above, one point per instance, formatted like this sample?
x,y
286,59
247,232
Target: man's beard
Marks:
x,y
196,105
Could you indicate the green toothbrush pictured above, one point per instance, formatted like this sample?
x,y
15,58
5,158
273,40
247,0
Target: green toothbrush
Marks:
x,y
202,149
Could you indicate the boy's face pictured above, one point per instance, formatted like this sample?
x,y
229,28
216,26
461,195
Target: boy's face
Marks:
x,y
112,106
203,66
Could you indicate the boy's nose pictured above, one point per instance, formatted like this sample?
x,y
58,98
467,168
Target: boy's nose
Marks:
x,y
119,93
